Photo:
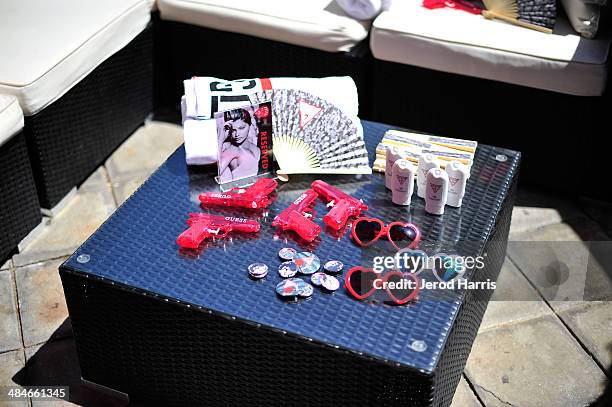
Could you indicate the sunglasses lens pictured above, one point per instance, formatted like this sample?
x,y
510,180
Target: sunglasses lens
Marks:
x,y
402,234
403,288
367,231
361,282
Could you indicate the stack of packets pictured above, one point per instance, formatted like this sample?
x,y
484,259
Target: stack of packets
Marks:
x,y
412,145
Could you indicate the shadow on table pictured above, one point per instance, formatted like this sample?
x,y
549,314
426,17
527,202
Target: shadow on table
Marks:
x,y
55,363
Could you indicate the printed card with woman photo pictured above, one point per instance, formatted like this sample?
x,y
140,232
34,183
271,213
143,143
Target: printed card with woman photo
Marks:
x,y
244,142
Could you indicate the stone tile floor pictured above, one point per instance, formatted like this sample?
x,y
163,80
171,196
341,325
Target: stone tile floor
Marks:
x,y
536,347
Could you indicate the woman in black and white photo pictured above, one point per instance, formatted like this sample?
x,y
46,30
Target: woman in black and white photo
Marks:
x,y
238,153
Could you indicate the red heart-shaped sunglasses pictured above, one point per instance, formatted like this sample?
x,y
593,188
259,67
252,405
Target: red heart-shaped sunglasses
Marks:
x,y
402,235
362,282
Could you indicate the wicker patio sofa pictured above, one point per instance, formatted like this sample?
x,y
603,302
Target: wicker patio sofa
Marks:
x,y
452,73
19,208
82,71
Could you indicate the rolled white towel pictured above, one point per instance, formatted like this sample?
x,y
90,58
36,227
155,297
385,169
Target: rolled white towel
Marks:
x,y
364,9
200,138
200,141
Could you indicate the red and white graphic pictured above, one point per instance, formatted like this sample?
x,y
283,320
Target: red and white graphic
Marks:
x,y
266,83
307,112
435,188
262,112
453,181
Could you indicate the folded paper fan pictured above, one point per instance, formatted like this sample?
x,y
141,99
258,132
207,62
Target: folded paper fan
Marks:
x,y
312,136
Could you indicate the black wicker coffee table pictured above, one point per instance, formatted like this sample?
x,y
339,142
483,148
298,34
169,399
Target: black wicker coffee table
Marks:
x,y
179,327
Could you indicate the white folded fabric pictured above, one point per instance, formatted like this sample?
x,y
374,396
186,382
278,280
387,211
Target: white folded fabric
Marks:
x,y
204,96
200,150
200,139
364,9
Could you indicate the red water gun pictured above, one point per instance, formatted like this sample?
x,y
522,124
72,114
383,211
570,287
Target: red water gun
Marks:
x,y
203,225
343,205
253,197
295,217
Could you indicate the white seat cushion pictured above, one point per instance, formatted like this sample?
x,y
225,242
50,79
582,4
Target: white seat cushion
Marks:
x,y
319,24
459,42
46,47
11,117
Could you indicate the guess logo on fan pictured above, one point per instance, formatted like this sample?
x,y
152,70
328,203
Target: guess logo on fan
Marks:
x,y
307,112
453,181
435,188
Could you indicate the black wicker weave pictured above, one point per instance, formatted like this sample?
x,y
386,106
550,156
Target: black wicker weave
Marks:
x,y
71,137
185,50
547,127
190,328
19,208
539,12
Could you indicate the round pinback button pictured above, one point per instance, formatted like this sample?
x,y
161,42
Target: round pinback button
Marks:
x,y
287,288
307,262
306,291
300,283
287,253
331,283
317,278
287,269
333,266
258,270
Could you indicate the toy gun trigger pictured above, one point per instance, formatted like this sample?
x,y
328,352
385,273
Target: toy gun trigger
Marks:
x,y
308,213
265,201
219,232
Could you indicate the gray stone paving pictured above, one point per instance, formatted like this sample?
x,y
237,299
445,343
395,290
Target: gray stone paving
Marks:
x,y
464,396
42,306
64,233
11,363
514,299
144,151
538,345
123,189
9,320
592,323
7,265
533,363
